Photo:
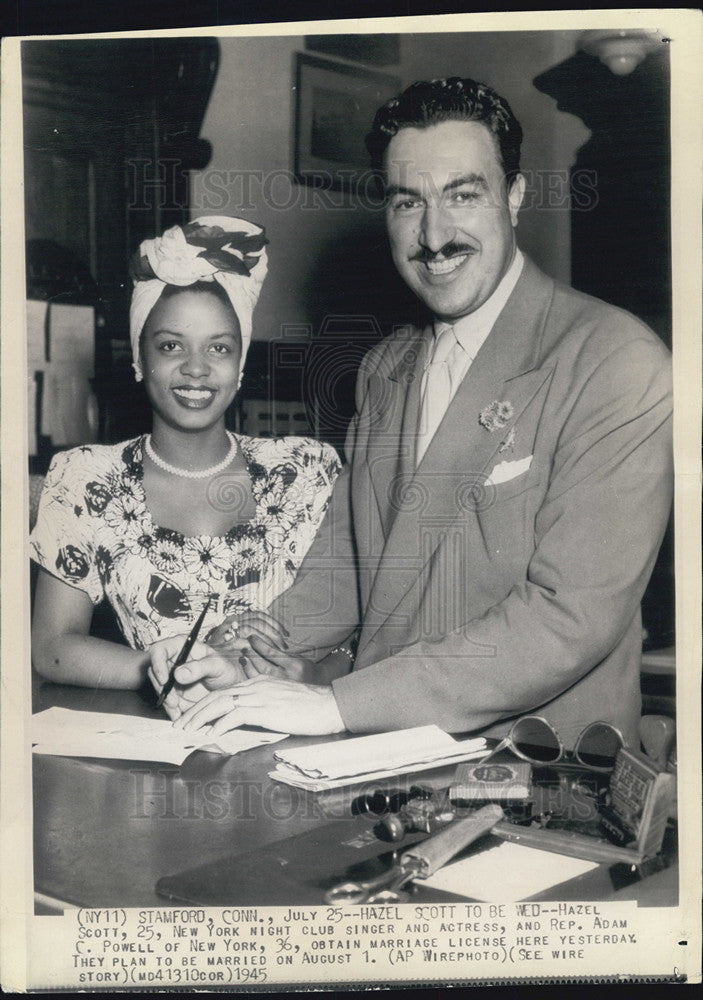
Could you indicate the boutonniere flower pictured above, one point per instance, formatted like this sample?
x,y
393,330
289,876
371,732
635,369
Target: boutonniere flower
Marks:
x,y
496,415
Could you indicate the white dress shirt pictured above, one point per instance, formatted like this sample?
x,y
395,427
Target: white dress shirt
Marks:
x,y
455,347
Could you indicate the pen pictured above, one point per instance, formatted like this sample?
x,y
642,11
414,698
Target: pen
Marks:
x,y
183,655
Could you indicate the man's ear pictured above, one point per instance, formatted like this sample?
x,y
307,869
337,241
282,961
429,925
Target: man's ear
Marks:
x,y
516,193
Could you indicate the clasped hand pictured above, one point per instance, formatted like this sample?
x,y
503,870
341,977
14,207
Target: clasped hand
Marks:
x,y
244,648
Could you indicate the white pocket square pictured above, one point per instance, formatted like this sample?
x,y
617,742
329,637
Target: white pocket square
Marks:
x,y
503,472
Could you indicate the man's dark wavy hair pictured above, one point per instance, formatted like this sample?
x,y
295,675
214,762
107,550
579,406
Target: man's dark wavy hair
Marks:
x,y
427,103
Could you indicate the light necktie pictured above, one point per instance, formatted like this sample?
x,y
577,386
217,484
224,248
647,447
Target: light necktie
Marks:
x,y
437,388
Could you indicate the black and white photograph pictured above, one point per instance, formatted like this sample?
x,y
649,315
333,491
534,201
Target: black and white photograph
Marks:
x,y
351,585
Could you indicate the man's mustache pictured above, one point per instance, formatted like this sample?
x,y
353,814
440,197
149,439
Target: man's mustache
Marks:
x,y
448,250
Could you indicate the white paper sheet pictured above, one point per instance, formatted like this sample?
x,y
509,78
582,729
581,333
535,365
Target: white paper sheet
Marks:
x,y
67,733
507,873
380,752
291,777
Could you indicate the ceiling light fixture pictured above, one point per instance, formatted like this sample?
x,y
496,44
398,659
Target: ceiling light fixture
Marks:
x,y
621,51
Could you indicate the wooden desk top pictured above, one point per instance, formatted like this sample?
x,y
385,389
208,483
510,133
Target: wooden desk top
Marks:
x,y
106,831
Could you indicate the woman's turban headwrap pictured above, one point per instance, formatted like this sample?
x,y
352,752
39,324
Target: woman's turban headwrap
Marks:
x,y
213,248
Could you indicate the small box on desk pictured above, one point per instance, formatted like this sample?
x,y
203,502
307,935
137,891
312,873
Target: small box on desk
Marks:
x,y
505,782
640,795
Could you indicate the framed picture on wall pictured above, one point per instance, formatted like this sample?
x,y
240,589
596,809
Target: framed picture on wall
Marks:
x,y
335,107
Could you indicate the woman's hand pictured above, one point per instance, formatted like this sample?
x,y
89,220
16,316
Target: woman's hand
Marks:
x,y
281,705
206,670
260,658
233,635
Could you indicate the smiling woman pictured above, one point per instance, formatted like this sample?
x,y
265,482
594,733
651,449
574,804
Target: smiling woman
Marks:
x,y
189,514
190,352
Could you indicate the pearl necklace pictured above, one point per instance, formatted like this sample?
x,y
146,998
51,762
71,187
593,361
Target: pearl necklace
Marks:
x,y
187,473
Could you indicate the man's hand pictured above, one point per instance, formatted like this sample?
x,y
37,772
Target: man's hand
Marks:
x,y
233,635
283,706
205,671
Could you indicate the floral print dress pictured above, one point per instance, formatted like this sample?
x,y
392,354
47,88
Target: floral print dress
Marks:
x,y
95,533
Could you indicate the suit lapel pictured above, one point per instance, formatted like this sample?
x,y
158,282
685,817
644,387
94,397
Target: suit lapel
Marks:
x,y
394,407
451,476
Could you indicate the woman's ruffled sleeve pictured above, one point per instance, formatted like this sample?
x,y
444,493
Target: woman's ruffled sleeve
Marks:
x,y
63,540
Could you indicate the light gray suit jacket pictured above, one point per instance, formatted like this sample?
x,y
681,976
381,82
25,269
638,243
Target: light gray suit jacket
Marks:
x,y
482,597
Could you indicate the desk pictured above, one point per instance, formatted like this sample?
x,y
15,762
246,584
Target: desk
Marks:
x,y
106,831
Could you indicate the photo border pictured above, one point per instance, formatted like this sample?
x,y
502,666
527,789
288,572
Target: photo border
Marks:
x,y
685,27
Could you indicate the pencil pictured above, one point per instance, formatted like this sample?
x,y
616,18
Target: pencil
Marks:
x,y
183,655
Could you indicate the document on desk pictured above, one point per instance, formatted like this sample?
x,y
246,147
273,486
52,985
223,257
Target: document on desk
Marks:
x,y
66,733
506,873
335,765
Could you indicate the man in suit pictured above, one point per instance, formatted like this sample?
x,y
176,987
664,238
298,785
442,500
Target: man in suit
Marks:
x,y
508,483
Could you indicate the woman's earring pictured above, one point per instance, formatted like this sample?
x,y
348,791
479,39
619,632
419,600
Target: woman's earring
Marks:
x,y
138,374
